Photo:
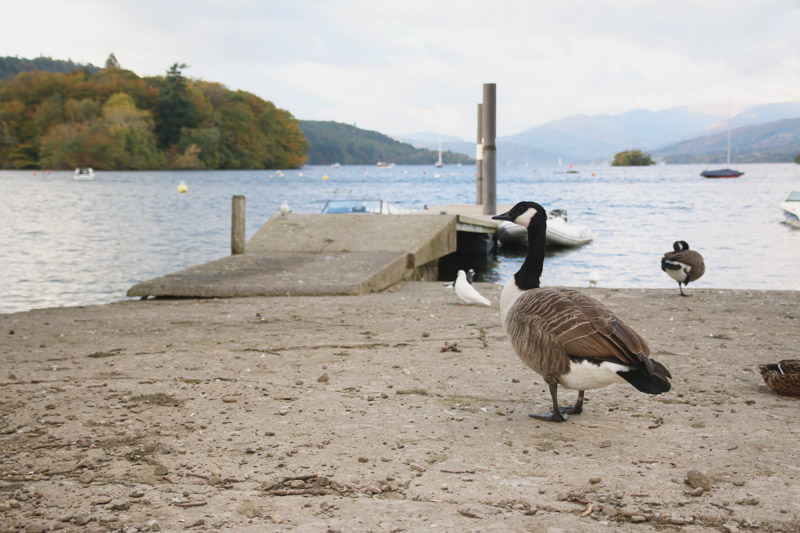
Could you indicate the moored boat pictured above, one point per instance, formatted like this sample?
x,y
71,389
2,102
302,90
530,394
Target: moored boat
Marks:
x,y
560,233
83,174
722,173
791,209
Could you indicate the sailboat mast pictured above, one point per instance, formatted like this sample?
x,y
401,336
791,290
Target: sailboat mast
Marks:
x,y
729,131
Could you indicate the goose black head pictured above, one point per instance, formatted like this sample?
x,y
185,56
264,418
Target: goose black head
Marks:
x,y
523,213
680,246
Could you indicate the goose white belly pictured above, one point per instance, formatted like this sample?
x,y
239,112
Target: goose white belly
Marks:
x,y
678,274
584,375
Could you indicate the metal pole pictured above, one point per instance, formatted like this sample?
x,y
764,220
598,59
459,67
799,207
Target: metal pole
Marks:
x,y
237,225
479,159
489,149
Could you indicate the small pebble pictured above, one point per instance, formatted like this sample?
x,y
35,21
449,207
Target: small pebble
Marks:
x,y
363,460
87,477
696,492
638,518
323,378
698,478
730,527
595,480
610,511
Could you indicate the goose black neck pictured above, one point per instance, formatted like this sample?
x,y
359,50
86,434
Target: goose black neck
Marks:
x,y
527,277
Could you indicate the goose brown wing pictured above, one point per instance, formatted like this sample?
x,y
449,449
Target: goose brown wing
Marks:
x,y
582,326
691,258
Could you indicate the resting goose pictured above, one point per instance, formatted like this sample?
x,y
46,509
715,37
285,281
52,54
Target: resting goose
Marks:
x,y
568,338
683,265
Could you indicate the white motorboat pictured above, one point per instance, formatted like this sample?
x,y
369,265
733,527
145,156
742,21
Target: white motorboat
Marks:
x,y
83,174
560,233
791,209
364,207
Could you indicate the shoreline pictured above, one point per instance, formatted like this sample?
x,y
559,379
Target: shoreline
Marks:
x,y
320,413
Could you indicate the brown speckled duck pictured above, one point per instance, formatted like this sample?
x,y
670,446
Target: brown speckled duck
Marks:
x,y
783,377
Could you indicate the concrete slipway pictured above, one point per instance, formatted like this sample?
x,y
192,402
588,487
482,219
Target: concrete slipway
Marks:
x,y
316,254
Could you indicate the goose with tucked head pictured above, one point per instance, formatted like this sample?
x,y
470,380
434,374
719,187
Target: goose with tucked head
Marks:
x,y
568,338
682,264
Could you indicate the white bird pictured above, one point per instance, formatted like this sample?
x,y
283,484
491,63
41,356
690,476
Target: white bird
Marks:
x,y
467,293
284,209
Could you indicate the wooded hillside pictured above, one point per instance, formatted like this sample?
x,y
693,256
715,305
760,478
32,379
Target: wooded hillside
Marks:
x,y
333,142
113,119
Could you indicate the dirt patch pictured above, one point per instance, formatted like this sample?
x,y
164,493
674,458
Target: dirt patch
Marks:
x,y
345,414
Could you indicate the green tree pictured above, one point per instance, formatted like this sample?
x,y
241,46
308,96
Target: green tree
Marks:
x,y
632,158
112,62
174,109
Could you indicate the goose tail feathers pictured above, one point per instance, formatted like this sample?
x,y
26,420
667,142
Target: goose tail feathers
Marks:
x,y
649,379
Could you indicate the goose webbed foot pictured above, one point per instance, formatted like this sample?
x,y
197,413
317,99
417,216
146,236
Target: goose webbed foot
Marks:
x,y
575,409
681,289
551,416
560,414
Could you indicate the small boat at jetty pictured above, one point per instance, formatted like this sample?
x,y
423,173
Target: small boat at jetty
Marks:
x,y
722,173
364,207
560,233
791,209
83,174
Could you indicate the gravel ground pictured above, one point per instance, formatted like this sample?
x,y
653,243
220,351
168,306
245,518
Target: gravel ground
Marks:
x,y
396,411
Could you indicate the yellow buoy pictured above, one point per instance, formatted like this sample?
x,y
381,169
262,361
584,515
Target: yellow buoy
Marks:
x,y
182,188
325,178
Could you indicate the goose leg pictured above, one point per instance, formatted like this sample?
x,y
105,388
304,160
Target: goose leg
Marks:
x,y
556,415
681,289
575,409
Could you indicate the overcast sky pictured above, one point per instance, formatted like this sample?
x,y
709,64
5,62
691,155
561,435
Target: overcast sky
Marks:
x,y
406,66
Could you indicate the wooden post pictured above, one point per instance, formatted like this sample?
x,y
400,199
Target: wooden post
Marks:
x,y
479,159
489,149
237,225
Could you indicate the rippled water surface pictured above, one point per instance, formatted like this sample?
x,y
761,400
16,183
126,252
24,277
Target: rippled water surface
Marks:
x,y
64,242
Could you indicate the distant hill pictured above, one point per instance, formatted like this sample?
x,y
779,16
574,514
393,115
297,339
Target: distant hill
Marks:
x,y
333,142
584,138
11,66
773,142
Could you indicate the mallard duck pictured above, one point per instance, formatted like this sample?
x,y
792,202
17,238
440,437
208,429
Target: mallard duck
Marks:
x,y
682,264
783,377
568,338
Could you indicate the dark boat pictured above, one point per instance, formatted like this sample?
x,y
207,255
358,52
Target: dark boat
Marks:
x,y
723,173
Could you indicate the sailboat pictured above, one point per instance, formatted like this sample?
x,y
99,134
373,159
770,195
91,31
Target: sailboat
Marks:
x,y
725,172
439,162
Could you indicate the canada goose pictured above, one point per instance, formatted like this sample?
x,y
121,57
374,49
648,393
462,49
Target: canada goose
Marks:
x,y
467,293
683,265
783,377
565,336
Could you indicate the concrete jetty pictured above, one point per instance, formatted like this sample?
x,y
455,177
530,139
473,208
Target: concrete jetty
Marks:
x,y
316,254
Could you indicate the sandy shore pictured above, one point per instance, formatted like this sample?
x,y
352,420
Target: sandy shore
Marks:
x,y
344,414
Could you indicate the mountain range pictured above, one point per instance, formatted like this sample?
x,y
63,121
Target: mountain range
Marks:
x,y
764,133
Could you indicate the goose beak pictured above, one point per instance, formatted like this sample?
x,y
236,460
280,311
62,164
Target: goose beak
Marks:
x,y
503,216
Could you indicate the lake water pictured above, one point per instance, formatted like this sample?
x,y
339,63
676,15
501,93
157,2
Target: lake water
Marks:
x,y
65,242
